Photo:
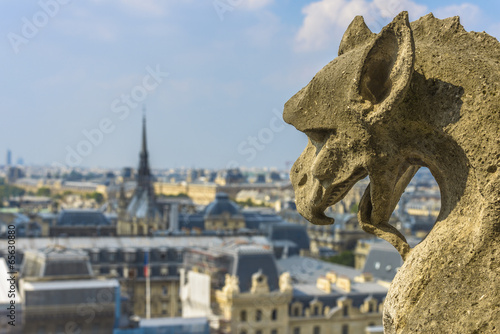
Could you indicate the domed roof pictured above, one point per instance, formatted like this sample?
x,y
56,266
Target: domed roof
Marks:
x,y
221,205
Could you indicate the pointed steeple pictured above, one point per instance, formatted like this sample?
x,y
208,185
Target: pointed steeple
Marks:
x,y
144,143
143,202
144,174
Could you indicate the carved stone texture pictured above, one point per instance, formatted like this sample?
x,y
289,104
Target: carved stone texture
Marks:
x,y
419,94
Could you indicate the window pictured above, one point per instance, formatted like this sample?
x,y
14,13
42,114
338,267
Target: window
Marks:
x,y
258,315
296,330
370,307
316,310
316,330
129,257
274,331
274,314
345,329
258,331
243,316
296,311
164,290
345,310
243,331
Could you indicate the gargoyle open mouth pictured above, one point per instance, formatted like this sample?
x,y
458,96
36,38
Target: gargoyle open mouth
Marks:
x,y
327,194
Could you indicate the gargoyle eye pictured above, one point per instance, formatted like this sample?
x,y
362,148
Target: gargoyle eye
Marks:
x,y
318,136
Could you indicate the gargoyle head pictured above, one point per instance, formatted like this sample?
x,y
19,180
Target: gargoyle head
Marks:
x,y
347,111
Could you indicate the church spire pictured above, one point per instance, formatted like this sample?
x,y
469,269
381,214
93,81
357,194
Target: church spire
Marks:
x,y
144,174
144,143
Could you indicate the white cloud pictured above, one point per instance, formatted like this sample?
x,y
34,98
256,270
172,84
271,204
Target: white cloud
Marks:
x,y
470,14
388,9
326,20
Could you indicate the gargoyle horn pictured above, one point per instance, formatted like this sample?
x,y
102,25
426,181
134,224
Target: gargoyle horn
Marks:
x,y
388,67
356,34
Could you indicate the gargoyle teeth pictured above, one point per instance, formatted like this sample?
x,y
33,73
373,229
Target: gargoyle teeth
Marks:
x,y
339,191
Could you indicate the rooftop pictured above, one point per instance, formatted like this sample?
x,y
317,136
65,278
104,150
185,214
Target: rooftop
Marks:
x,y
70,284
135,242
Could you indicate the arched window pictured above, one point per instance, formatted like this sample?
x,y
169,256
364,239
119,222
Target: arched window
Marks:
x,y
243,315
274,314
345,329
317,330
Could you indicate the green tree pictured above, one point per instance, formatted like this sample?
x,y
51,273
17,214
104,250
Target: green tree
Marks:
x,y
179,195
250,203
98,197
354,208
345,258
43,191
6,191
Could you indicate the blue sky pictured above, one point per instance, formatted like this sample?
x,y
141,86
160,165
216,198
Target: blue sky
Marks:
x,y
75,75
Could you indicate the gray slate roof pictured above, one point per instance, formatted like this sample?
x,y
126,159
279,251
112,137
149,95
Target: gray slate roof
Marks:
x,y
82,218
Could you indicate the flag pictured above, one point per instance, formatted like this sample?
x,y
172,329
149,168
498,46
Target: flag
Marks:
x,y
146,264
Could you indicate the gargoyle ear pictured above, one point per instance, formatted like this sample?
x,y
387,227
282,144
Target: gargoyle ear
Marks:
x,y
356,34
388,65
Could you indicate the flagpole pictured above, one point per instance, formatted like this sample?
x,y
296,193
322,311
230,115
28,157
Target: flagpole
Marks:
x,y
148,285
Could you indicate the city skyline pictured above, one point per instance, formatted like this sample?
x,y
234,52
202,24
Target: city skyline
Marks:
x,y
214,76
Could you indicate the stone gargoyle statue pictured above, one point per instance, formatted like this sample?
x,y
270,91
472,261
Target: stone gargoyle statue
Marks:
x,y
419,94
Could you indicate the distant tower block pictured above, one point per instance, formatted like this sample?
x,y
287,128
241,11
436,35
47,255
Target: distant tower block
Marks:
x,y
8,158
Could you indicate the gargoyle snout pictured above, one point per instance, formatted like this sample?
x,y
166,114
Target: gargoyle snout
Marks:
x,y
292,112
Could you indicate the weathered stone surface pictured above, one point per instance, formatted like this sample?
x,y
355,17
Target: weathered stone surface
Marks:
x,y
419,94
